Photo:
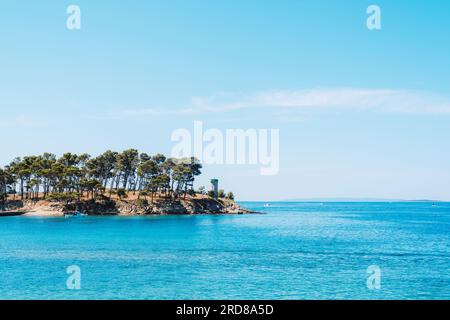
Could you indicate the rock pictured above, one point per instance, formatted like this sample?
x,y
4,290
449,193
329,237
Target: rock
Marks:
x,y
190,205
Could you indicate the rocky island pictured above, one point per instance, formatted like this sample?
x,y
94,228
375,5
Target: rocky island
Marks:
x,y
190,205
126,183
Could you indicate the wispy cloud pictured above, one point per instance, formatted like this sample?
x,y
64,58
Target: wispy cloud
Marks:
x,y
155,111
377,100
20,121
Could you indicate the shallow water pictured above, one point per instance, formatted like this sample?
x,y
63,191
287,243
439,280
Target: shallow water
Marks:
x,y
295,251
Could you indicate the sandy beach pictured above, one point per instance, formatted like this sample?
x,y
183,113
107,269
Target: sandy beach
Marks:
x,y
43,213
32,213
36,209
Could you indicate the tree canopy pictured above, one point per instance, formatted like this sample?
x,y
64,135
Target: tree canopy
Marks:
x,y
81,175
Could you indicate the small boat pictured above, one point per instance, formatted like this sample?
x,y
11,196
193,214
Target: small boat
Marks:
x,y
267,205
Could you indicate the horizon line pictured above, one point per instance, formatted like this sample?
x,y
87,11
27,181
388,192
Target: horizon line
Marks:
x,y
344,199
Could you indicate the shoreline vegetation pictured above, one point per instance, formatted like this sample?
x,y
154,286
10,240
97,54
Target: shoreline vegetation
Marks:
x,y
126,183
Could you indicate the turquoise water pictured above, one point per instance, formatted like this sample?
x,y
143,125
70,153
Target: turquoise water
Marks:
x,y
295,251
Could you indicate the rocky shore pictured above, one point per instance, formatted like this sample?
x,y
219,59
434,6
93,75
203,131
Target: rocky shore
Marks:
x,y
189,206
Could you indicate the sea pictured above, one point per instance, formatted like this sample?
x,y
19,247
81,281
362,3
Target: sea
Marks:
x,y
293,250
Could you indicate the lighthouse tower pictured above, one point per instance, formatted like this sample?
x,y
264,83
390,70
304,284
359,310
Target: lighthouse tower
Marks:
x,y
215,187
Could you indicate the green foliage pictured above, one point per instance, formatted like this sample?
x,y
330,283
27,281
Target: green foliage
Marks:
x,y
5,180
221,193
63,197
47,176
102,197
142,202
122,193
144,193
201,190
127,163
211,194
230,195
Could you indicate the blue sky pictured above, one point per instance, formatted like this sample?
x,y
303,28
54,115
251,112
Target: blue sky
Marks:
x,y
361,113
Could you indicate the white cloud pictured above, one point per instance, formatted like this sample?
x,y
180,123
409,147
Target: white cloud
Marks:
x,y
20,121
378,100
